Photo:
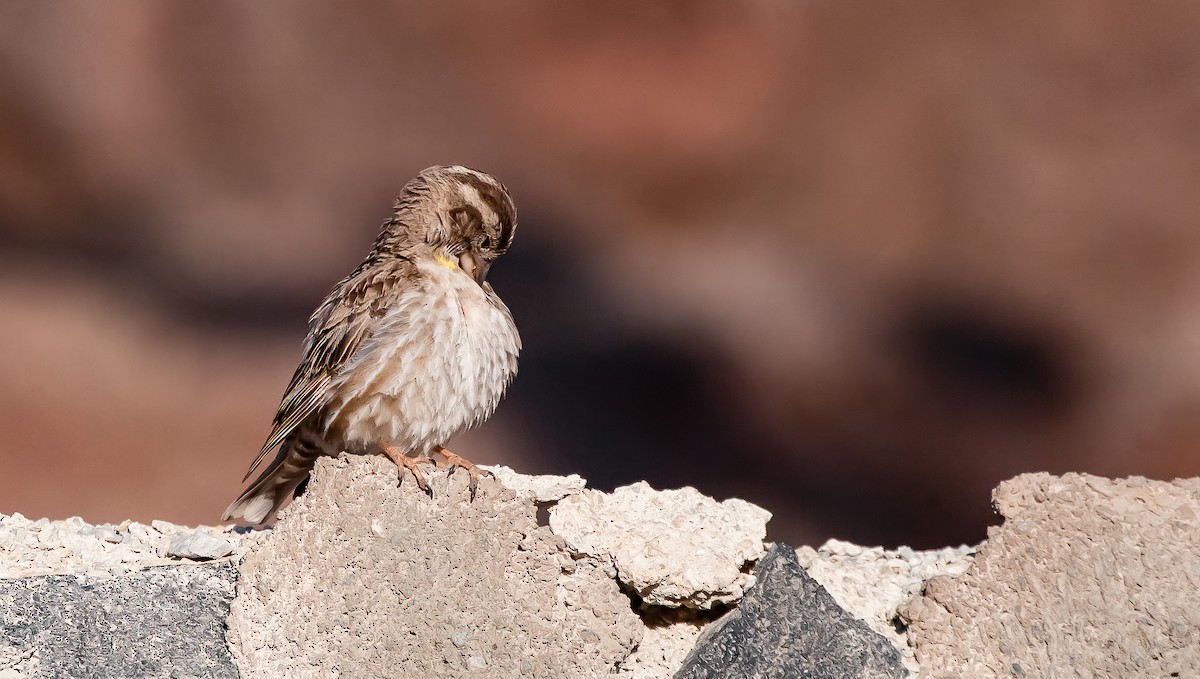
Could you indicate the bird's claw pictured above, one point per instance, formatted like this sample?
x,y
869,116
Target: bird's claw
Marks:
x,y
411,464
456,462
419,478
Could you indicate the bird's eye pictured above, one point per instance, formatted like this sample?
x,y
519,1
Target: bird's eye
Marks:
x,y
486,243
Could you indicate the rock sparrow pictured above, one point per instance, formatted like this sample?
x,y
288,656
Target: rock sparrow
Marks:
x,y
410,349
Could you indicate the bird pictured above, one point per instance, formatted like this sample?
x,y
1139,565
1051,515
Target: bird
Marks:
x,y
411,348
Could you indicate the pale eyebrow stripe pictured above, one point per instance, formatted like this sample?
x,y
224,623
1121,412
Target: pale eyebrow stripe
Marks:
x,y
462,169
475,198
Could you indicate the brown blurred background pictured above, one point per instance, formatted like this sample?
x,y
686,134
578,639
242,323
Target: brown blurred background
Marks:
x,y
856,262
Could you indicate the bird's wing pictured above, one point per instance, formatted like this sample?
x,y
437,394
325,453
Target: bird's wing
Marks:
x,y
349,314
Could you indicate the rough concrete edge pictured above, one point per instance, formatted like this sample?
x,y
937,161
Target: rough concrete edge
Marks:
x,y
1036,503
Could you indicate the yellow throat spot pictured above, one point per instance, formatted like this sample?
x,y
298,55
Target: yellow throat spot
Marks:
x,y
444,260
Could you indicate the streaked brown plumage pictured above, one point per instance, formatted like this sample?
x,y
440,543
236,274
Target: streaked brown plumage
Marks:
x,y
408,350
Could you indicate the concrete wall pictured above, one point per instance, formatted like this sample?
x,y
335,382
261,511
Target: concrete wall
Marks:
x,y
540,577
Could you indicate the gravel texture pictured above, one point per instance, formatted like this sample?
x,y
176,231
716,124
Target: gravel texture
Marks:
x,y
1086,577
789,627
673,547
163,621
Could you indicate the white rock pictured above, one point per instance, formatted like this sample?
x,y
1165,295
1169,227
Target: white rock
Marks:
x,y
199,545
541,488
674,547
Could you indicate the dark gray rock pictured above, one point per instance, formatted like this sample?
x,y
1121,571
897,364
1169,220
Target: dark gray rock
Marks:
x,y
166,621
788,626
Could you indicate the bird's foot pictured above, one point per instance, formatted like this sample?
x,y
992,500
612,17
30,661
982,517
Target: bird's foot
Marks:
x,y
456,461
412,464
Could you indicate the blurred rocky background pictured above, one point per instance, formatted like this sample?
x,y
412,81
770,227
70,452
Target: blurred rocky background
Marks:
x,y
854,262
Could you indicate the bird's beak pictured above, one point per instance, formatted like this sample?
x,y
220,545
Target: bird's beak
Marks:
x,y
475,266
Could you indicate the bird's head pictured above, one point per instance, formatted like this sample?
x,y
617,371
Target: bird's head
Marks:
x,y
459,217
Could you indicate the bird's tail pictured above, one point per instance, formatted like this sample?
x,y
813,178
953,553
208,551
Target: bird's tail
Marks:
x,y
271,489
